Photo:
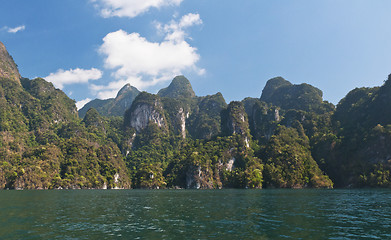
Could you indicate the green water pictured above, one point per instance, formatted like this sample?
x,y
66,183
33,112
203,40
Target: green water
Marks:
x,y
198,214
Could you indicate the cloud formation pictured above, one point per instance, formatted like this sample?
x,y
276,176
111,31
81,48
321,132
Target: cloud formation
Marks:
x,y
77,75
175,31
15,29
142,63
130,8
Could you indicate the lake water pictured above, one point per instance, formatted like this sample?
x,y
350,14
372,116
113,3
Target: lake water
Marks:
x,y
196,214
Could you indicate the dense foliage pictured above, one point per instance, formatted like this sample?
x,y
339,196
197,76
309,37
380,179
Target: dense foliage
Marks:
x,y
43,144
287,138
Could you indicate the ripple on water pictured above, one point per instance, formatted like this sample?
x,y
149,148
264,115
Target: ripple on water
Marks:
x,y
220,214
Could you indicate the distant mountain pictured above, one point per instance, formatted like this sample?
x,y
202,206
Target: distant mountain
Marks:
x,y
113,106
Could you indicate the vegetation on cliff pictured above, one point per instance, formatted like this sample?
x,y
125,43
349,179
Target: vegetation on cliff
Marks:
x,y
287,138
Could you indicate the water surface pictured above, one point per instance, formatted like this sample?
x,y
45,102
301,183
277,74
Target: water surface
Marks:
x,y
196,214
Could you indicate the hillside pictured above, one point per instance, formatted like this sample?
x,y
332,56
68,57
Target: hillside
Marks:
x,y
289,137
44,145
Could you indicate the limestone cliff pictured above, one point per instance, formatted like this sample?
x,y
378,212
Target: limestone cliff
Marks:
x,y
181,120
145,109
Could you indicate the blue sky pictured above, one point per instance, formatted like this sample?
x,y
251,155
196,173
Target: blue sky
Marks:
x,y
91,48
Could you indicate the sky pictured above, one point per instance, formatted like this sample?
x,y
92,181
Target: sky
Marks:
x,y
92,48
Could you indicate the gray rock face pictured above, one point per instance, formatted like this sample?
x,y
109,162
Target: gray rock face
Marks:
x,y
276,115
144,113
8,68
230,164
181,118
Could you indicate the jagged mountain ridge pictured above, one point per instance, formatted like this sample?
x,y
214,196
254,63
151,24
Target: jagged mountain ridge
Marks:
x,y
210,119
112,106
298,107
287,138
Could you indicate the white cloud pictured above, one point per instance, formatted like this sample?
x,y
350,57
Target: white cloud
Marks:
x,y
175,31
142,63
15,29
62,77
133,55
81,103
130,8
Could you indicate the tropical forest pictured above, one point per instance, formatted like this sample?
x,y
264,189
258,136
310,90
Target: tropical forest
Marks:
x,y
287,137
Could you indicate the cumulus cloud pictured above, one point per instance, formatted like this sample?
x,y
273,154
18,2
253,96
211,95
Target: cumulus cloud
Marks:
x,y
81,103
143,63
77,75
15,29
133,55
130,8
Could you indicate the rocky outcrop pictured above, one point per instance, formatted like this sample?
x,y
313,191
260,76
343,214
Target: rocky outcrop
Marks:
x,y
145,109
8,68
